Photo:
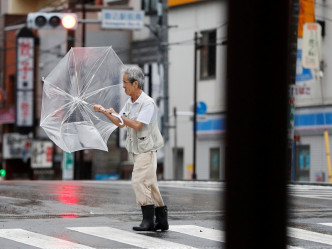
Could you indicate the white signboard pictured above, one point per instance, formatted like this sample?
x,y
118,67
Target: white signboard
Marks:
x,y
41,154
13,145
122,19
25,63
311,47
24,108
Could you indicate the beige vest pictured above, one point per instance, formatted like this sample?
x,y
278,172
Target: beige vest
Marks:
x,y
146,139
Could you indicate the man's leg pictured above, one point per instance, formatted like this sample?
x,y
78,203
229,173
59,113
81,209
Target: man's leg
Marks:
x,y
161,210
141,182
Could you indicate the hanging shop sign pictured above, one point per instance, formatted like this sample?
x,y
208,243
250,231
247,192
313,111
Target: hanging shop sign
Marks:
x,y
24,108
311,46
13,145
7,115
41,154
25,63
25,78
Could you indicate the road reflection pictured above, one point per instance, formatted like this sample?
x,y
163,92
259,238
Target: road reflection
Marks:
x,y
68,194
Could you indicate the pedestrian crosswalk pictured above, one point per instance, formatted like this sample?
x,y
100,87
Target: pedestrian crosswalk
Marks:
x,y
131,239
137,240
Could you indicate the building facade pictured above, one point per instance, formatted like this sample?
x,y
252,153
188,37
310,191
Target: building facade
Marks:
x,y
313,98
208,19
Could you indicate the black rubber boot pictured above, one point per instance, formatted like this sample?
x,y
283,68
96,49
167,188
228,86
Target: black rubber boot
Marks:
x,y
161,218
147,223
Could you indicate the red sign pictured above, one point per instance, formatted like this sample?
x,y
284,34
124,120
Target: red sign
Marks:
x,y
7,115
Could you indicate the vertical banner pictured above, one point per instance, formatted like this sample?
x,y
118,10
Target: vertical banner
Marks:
x,y
311,46
307,14
24,106
68,166
25,58
25,78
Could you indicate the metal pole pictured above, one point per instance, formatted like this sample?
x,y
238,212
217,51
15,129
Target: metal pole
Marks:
x,y
175,142
164,49
83,24
195,106
70,44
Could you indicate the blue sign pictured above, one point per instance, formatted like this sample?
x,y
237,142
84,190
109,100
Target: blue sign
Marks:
x,y
302,74
201,107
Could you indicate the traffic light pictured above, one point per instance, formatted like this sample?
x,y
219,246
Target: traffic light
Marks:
x,y
2,173
43,20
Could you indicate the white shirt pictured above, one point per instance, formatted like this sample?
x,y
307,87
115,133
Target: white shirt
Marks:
x,y
147,113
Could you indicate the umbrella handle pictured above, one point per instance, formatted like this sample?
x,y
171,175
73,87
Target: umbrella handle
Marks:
x,y
119,117
115,115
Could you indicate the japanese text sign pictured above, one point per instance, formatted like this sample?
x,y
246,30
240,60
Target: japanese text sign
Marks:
x,y
25,61
311,51
122,19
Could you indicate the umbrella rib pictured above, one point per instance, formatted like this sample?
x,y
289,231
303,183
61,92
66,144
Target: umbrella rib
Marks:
x,y
77,85
59,90
89,83
51,114
96,92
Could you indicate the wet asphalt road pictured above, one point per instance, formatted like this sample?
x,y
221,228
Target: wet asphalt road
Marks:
x,y
54,208
101,214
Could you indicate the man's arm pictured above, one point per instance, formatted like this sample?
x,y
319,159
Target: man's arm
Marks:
x,y
136,125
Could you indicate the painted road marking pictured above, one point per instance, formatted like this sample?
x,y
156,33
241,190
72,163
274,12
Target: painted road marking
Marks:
x,y
326,224
130,238
310,236
38,240
201,232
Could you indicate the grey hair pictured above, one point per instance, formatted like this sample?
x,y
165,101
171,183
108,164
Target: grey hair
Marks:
x,y
134,73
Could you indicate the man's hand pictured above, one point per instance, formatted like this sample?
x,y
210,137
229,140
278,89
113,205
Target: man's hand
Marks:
x,y
98,108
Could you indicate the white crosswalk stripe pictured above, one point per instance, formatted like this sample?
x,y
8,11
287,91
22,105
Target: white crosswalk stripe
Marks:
x,y
38,240
201,232
310,236
130,238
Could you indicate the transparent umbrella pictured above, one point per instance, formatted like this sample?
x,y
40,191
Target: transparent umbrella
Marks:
x,y
83,77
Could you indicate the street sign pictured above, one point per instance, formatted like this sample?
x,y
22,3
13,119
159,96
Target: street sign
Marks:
x,y
311,47
122,19
201,107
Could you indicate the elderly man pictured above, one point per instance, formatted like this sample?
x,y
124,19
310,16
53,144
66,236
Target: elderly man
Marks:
x,y
139,115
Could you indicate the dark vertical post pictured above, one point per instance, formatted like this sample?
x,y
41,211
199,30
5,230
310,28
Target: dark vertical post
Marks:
x,y
83,24
70,44
164,50
256,139
195,106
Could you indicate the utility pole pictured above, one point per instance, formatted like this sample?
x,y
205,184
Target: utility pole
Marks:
x,y
83,24
292,56
71,33
195,107
164,57
71,43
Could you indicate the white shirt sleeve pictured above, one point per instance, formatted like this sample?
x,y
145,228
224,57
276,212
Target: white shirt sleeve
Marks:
x,y
146,113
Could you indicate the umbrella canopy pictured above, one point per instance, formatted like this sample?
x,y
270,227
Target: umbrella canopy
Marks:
x,y
83,77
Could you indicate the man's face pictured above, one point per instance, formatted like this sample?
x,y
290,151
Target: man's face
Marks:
x,y
127,85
